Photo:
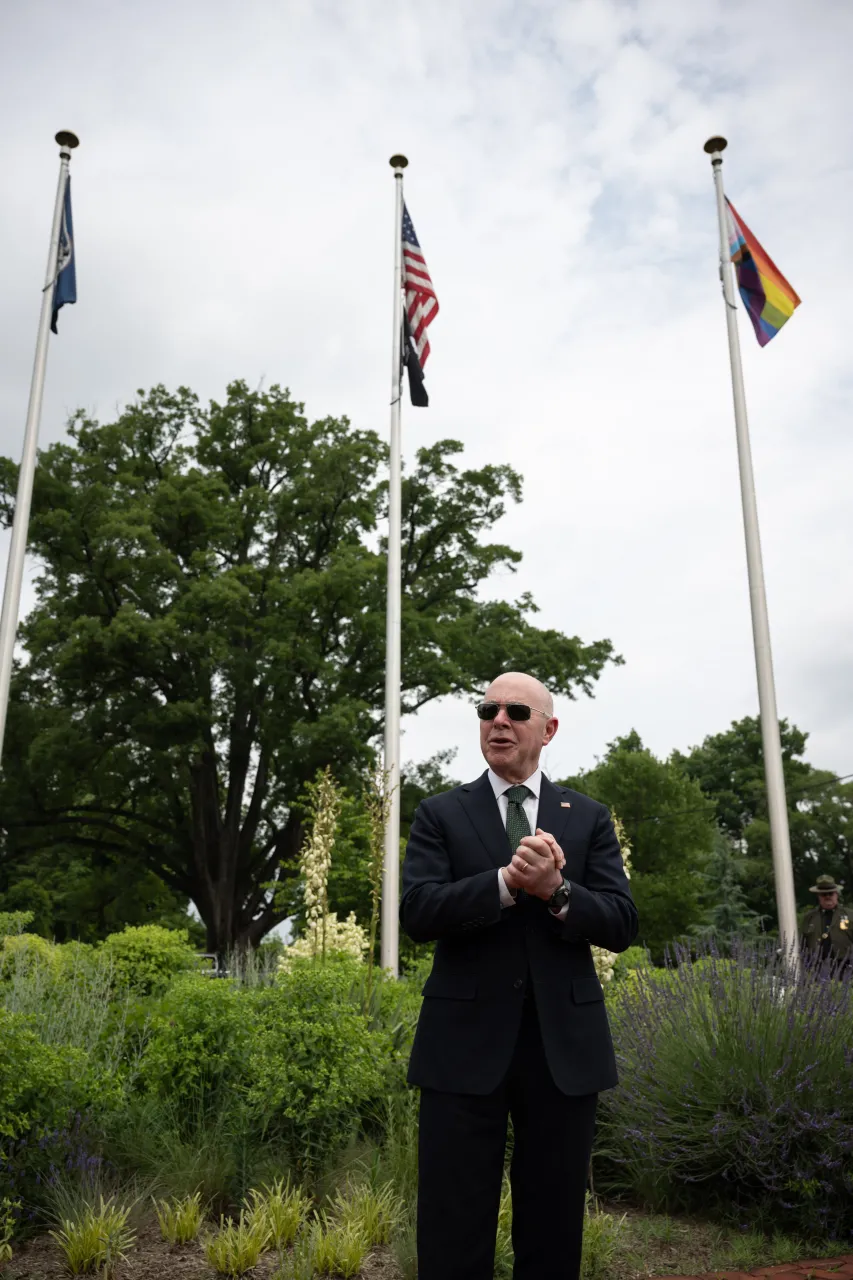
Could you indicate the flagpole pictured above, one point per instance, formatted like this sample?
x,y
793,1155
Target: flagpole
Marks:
x,y
390,934
18,549
780,839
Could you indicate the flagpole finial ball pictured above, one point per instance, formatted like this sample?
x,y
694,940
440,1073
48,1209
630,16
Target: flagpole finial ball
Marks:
x,y
398,162
67,139
715,144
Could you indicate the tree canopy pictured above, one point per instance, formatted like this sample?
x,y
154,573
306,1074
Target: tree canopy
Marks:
x,y
670,825
729,767
209,631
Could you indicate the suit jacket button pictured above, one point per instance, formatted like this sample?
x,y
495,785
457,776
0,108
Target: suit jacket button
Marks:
x,y
518,984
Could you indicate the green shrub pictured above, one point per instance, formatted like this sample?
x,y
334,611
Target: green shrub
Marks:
x,y
22,952
145,958
43,1091
96,1241
14,921
65,993
314,1065
633,958
39,1084
199,1042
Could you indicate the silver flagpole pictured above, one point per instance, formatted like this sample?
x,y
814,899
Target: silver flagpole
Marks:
x,y
390,936
775,779
18,549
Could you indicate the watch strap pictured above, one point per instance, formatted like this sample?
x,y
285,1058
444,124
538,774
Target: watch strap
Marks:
x,y
560,897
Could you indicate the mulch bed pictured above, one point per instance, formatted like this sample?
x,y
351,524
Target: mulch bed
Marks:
x,y
153,1259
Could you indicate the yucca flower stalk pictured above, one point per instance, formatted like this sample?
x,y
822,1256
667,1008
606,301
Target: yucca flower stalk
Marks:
x,y
316,858
377,803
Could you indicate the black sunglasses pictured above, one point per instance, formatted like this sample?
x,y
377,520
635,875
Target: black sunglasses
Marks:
x,y
515,710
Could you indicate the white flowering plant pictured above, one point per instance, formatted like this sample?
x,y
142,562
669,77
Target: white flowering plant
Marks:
x,y
316,859
338,937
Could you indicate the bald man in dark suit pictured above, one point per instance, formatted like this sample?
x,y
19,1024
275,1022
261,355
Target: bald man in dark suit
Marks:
x,y
513,878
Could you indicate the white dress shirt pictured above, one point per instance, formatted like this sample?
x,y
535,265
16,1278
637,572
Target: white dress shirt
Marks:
x,y
531,810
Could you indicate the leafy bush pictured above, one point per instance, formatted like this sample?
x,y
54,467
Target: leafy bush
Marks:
x,y
39,1084
736,1093
21,952
633,958
14,922
199,1041
41,1087
314,1063
67,993
145,958
96,1241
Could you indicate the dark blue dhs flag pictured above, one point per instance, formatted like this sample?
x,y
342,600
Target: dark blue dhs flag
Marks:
x,y
65,288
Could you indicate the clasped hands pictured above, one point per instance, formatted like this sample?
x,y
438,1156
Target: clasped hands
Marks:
x,y
536,866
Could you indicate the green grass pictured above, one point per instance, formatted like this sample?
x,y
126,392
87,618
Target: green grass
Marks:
x,y
651,1244
236,1247
180,1219
280,1211
96,1240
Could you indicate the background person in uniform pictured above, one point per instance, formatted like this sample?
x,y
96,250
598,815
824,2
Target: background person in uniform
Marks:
x,y
827,927
513,1020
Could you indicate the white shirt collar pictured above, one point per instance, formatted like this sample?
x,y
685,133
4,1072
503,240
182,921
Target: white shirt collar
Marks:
x,y
500,785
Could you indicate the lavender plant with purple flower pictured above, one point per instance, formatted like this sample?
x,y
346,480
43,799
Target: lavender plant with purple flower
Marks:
x,y
736,1092
35,1165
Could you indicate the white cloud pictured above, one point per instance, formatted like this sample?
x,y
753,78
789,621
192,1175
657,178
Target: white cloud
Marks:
x,y
233,209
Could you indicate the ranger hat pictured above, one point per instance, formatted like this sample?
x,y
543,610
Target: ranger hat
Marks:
x,y
825,884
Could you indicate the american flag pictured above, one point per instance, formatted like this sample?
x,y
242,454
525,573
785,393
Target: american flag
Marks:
x,y
421,302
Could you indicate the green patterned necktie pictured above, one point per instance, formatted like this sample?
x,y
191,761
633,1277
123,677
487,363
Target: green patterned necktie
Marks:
x,y
516,819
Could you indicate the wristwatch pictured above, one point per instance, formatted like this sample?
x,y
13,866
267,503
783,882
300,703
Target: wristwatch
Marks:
x,y
560,897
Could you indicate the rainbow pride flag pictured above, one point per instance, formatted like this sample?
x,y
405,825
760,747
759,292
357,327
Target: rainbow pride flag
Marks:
x,y
766,293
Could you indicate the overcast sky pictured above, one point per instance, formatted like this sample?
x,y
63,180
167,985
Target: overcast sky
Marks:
x,y
233,211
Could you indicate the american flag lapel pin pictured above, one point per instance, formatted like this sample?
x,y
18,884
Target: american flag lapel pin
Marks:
x,y
564,804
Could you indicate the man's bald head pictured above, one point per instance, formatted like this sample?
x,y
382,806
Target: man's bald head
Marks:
x,y
517,686
513,747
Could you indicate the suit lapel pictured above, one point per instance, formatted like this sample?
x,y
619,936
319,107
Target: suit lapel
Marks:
x,y
551,816
478,801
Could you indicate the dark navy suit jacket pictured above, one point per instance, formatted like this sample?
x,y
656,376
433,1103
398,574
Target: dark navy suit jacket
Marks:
x,y
488,955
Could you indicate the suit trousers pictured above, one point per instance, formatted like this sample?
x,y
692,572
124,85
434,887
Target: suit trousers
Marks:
x,y
461,1149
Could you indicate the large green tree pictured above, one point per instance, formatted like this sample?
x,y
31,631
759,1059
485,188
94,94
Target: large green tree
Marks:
x,y
209,630
729,767
670,825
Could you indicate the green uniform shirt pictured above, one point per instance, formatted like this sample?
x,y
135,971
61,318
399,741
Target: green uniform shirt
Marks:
x,y
836,939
